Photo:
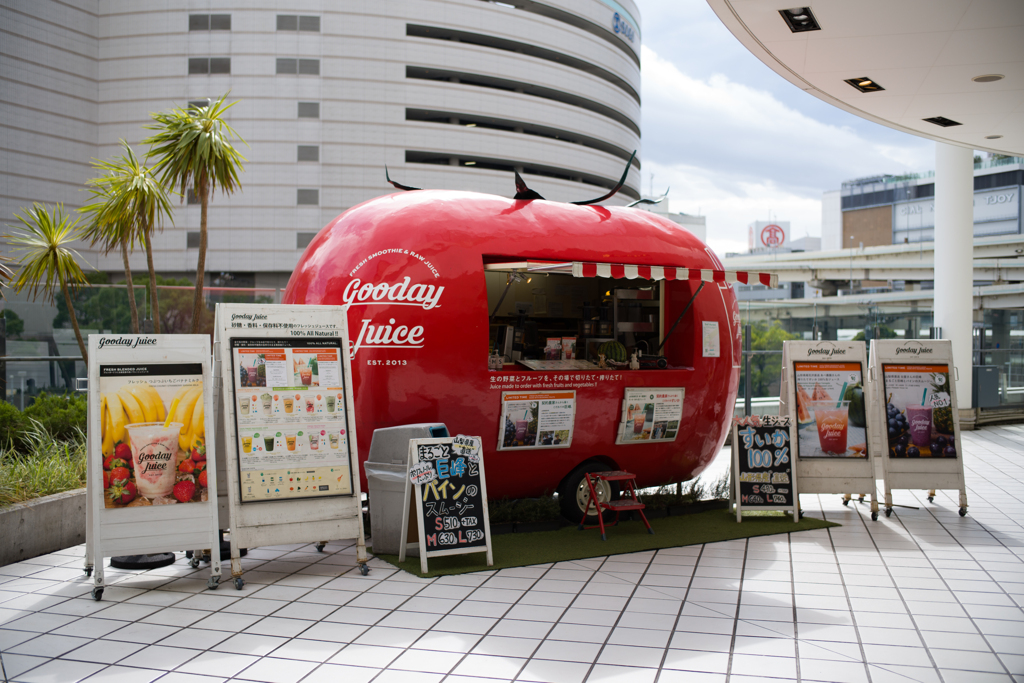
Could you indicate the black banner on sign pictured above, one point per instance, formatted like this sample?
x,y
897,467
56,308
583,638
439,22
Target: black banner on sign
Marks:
x,y
451,497
763,473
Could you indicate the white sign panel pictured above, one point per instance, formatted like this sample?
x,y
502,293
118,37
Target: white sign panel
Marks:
x,y
650,414
150,400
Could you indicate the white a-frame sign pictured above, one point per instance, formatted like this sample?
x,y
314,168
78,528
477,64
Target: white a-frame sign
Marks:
x,y
914,396
824,394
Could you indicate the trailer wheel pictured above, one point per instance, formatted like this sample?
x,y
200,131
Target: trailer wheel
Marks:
x,y
573,493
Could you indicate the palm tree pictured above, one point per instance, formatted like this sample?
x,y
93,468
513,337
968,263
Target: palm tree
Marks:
x,y
130,204
193,150
47,262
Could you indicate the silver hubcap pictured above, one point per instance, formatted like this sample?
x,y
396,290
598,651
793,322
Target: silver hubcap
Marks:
x,y
604,494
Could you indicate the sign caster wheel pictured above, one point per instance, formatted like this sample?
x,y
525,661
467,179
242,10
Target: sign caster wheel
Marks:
x,y
931,499
194,562
88,571
97,593
239,583
213,582
320,547
888,512
963,512
846,501
801,513
874,516
363,569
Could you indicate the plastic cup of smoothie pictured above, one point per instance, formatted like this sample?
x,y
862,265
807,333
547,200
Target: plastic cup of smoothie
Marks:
x,y
314,442
309,405
252,376
638,423
919,418
267,401
521,429
289,439
154,451
243,405
330,404
334,438
306,376
268,443
246,444
288,400
832,419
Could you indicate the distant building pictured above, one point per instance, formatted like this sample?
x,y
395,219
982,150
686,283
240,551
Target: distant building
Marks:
x,y
889,209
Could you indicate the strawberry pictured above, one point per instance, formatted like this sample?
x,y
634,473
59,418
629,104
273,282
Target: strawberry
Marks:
x,y
198,450
202,478
114,461
123,451
186,466
119,475
184,490
124,493
106,480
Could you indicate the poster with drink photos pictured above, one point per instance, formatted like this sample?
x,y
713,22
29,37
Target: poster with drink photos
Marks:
x,y
831,417
291,424
153,433
650,414
918,411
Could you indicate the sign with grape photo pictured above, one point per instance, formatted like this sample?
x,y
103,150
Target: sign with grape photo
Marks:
x,y
919,411
536,419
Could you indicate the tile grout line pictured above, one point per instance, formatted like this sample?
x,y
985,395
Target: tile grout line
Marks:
x,y
736,617
679,612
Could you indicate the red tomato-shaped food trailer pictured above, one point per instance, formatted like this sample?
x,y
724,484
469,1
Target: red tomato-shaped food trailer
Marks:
x,y
438,281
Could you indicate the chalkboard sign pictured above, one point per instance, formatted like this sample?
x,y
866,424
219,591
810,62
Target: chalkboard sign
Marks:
x,y
762,464
450,498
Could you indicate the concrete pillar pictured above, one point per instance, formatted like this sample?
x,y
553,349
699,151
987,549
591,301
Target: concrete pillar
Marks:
x,y
954,252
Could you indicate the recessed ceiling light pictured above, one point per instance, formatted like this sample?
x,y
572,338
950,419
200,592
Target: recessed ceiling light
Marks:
x,y
988,78
993,137
800,19
942,121
470,163
864,84
470,125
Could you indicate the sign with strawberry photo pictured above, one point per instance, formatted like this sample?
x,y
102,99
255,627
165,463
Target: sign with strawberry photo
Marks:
x,y
153,431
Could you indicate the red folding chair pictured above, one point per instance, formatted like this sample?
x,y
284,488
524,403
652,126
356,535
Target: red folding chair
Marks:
x,y
621,505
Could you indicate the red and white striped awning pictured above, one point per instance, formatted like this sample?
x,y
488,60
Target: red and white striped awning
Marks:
x,y
627,271
630,272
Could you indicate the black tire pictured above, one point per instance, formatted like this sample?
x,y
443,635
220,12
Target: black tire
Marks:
x,y
874,516
573,491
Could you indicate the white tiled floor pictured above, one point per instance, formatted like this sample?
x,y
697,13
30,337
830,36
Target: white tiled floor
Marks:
x,y
922,596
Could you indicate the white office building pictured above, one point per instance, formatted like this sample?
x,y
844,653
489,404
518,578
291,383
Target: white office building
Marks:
x,y
447,93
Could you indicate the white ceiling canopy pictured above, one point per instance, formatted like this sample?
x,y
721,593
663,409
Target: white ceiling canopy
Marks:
x,y
927,56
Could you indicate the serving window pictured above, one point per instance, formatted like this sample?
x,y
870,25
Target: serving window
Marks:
x,y
542,312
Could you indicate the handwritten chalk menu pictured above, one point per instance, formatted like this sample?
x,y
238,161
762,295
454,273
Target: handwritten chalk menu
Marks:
x,y
762,465
536,419
451,498
290,418
650,414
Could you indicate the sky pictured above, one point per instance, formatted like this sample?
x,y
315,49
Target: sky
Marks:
x,y
736,142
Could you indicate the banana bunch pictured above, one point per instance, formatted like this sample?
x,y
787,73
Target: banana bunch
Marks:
x,y
189,412
141,403
129,404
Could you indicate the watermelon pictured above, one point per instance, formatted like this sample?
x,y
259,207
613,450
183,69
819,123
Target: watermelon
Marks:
x,y
820,394
613,350
803,415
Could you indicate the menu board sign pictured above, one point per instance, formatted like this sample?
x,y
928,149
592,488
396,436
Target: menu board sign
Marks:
x,y
762,465
651,414
290,417
918,411
830,407
538,419
153,431
451,498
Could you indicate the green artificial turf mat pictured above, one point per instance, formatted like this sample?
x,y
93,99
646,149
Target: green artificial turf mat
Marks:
x,y
518,550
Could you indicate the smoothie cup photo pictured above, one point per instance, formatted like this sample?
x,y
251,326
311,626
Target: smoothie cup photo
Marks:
x,y
154,451
638,422
919,419
267,401
251,372
314,442
306,376
288,402
309,405
289,440
521,429
832,419
243,405
246,444
334,438
330,404
268,444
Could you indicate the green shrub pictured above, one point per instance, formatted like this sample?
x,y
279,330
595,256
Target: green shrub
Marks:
x,y
43,467
12,425
62,416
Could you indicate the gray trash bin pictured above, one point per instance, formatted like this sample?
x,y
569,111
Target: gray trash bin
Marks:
x,y
386,470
